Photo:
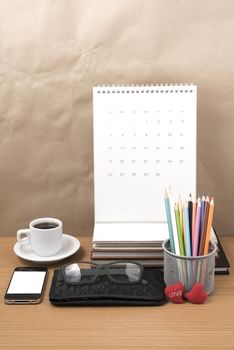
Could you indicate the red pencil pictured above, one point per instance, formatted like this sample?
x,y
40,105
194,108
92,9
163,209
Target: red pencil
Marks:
x,y
204,227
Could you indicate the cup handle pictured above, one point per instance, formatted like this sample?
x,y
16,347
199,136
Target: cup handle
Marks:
x,y
26,238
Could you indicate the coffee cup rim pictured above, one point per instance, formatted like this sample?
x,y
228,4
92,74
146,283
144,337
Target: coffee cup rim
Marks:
x,y
45,219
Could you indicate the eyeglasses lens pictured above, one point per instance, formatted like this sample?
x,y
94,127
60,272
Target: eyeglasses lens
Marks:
x,y
125,272
79,273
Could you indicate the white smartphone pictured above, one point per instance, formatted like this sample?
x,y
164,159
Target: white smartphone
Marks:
x,y
26,285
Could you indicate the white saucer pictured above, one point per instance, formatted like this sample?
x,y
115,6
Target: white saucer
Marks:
x,y
70,245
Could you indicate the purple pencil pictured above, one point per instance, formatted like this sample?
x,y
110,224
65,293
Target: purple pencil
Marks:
x,y
197,228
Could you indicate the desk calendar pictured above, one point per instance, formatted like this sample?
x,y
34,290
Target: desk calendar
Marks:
x,y
144,142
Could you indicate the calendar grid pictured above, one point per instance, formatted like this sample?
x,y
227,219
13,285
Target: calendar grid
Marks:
x,y
144,141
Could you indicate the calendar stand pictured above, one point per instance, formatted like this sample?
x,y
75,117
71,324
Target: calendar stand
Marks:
x,y
144,142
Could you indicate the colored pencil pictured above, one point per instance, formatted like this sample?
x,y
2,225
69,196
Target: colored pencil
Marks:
x,y
187,229
190,211
179,232
204,227
180,209
202,211
209,225
173,221
184,235
169,223
194,207
181,216
197,228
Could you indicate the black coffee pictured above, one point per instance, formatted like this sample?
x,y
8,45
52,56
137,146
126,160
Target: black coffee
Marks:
x,y
46,225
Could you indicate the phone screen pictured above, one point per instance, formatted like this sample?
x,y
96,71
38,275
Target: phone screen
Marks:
x,y
26,282
26,285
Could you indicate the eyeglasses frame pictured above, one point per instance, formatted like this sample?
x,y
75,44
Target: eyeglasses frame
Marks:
x,y
101,268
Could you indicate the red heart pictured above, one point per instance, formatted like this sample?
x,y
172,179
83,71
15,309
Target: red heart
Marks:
x,y
197,294
175,292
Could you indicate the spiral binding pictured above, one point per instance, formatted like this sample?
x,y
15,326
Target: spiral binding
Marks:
x,y
148,89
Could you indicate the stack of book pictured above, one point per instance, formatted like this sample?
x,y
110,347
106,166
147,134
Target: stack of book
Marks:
x,y
133,242
151,255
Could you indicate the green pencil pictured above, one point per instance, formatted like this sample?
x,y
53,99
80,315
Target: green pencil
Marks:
x,y
179,230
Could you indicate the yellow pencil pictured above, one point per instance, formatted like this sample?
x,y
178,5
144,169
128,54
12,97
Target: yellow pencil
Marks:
x,y
181,217
209,224
181,211
179,233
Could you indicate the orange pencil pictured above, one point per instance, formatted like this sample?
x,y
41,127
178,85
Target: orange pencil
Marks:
x,y
209,224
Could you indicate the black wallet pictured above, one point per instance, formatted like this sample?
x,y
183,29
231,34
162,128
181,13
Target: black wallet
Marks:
x,y
104,292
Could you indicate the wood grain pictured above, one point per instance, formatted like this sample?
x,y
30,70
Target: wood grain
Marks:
x,y
187,326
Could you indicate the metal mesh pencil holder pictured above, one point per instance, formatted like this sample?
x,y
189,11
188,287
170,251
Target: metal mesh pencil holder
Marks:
x,y
189,269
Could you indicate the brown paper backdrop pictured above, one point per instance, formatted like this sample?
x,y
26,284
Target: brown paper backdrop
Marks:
x,y
53,52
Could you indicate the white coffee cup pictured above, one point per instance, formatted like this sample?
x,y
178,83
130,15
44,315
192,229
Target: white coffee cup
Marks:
x,y
44,235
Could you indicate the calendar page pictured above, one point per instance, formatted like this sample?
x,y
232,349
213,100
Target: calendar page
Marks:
x,y
144,142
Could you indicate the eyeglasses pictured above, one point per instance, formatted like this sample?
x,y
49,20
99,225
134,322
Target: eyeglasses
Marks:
x,y
86,272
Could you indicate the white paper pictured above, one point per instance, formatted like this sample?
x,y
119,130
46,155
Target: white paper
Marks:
x,y
130,232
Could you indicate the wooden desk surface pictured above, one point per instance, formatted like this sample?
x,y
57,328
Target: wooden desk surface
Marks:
x,y
187,326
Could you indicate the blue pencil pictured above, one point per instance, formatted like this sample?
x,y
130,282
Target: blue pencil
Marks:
x,y
202,212
169,223
187,230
